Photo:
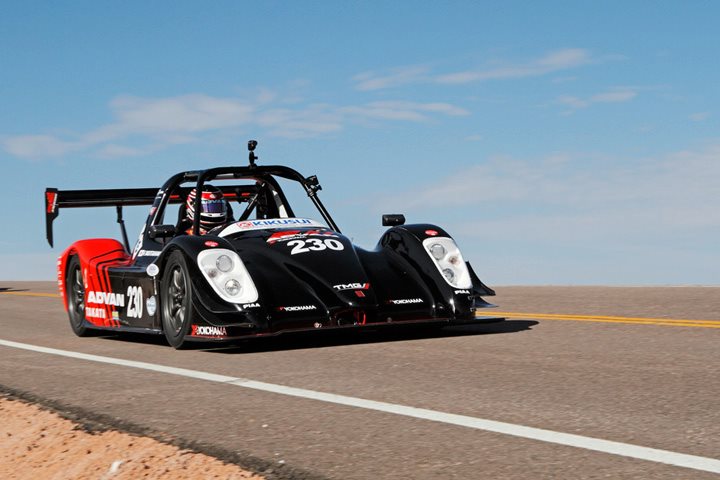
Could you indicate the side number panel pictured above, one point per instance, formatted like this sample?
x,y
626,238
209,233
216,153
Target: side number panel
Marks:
x,y
135,302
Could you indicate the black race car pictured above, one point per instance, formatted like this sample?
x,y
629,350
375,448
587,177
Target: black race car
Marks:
x,y
263,273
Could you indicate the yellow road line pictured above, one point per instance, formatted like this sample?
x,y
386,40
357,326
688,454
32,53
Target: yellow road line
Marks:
x,y
672,322
602,317
31,294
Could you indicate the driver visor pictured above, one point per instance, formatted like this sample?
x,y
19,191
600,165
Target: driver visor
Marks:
x,y
213,206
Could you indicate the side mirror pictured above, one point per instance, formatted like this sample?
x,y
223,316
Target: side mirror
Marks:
x,y
393,219
162,231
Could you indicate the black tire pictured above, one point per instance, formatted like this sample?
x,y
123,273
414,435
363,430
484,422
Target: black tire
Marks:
x,y
176,312
75,294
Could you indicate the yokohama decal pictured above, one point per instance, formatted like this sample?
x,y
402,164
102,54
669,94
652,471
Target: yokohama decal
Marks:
x,y
406,301
208,331
297,308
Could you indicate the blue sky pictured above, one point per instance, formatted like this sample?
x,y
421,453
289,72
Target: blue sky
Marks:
x,y
558,142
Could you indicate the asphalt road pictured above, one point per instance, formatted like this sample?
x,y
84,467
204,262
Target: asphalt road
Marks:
x,y
649,385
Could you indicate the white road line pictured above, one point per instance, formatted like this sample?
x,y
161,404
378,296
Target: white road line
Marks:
x,y
605,446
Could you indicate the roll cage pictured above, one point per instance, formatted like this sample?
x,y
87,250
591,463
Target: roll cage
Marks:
x,y
265,197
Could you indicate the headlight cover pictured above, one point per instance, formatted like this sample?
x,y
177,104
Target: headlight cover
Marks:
x,y
450,263
228,276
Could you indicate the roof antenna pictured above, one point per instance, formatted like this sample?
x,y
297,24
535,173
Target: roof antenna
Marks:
x,y
252,157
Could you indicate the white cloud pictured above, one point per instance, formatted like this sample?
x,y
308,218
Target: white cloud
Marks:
x,y
144,125
555,61
561,198
188,113
552,62
699,116
615,95
409,111
398,76
112,150
38,146
309,122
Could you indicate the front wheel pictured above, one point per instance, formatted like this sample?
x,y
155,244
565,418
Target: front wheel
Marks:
x,y
75,294
176,300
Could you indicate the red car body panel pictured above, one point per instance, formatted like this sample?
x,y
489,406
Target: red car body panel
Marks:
x,y
96,256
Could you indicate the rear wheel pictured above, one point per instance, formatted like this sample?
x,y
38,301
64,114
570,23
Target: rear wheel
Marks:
x,y
176,300
75,294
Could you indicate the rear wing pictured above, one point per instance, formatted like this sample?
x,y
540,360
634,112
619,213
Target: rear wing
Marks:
x,y
56,199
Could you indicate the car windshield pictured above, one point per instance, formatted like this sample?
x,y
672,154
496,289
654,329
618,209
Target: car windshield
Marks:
x,y
247,199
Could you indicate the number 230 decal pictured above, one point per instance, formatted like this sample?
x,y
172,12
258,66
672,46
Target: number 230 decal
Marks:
x,y
135,302
315,245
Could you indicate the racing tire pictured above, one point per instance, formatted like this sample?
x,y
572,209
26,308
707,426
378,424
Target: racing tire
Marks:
x,y
75,294
177,312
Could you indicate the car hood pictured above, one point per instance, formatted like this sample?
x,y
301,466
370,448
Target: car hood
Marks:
x,y
300,262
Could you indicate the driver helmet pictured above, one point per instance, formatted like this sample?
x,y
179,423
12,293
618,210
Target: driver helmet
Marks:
x,y
214,210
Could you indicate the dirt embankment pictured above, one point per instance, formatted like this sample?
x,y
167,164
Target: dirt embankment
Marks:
x,y
36,443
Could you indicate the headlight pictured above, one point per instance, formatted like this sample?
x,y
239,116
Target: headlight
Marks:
x,y
233,287
437,251
224,263
227,275
446,256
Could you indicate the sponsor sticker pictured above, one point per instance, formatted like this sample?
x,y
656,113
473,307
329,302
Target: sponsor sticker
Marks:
x,y
297,308
152,270
462,292
208,331
105,298
149,253
251,305
210,243
351,286
288,235
151,305
431,233
94,312
285,236
51,201
405,301
269,224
